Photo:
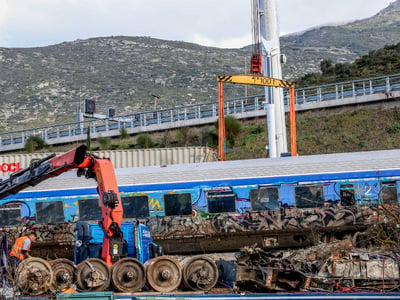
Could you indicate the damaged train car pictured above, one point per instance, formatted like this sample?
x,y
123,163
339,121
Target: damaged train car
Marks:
x,y
219,207
223,206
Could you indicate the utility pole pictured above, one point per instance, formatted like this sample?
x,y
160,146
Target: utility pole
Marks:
x,y
155,101
79,115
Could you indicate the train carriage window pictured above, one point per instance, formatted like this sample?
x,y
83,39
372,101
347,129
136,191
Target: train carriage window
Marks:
x,y
135,207
221,201
10,214
50,212
309,196
388,193
89,210
178,204
264,199
347,194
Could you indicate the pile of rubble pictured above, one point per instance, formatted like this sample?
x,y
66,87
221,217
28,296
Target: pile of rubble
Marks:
x,y
313,269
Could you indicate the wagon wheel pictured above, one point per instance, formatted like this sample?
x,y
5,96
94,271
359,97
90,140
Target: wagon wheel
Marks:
x,y
63,274
128,275
164,274
34,276
93,275
200,273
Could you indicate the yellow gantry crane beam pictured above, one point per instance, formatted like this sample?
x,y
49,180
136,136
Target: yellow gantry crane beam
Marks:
x,y
255,80
252,79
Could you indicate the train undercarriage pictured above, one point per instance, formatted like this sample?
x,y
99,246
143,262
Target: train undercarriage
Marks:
x,y
326,265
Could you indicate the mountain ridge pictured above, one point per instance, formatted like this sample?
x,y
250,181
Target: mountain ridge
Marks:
x,y
340,43
45,85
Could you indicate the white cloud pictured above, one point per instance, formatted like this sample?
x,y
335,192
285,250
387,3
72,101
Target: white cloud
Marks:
x,y
221,23
298,15
202,40
236,42
3,12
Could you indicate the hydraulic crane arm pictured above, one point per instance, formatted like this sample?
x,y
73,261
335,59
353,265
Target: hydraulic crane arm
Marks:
x,y
114,246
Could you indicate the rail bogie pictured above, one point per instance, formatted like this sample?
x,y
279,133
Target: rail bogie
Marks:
x,y
272,202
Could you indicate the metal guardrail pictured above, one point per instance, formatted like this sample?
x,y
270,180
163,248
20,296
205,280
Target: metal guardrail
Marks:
x,y
172,116
349,89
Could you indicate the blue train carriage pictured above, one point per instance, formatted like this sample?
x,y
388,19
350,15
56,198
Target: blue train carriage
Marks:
x,y
223,206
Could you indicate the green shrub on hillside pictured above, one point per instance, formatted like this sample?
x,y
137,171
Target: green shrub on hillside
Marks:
x,y
105,142
144,141
232,129
123,133
182,136
209,138
34,143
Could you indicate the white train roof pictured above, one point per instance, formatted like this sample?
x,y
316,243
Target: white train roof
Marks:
x,y
266,167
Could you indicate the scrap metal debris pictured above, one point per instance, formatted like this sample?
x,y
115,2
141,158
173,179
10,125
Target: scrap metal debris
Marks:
x,y
259,270
313,269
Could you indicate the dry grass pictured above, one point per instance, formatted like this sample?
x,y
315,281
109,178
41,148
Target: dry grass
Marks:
x,y
324,132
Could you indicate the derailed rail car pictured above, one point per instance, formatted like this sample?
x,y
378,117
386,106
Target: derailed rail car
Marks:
x,y
223,206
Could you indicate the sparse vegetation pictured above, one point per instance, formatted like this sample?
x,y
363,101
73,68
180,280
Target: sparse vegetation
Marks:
x,y
325,132
144,141
317,132
34,143
123,133
232,129
380,62
105,142
209,137
182,136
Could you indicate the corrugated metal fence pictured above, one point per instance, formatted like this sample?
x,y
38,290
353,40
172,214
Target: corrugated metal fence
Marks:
x,y
123,158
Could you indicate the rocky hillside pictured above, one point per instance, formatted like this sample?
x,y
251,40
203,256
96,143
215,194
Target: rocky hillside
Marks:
x,y
45,85
41,86
381,62
340,43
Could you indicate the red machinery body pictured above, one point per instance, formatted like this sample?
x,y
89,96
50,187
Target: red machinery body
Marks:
x,y
111,206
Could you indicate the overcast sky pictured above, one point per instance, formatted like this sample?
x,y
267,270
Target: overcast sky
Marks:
x,y
219,23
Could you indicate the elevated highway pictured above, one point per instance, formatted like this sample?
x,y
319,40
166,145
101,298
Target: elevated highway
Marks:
x,y
357,92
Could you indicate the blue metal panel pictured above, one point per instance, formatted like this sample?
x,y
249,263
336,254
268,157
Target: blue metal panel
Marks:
x,y
129,236
144,242
97,233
